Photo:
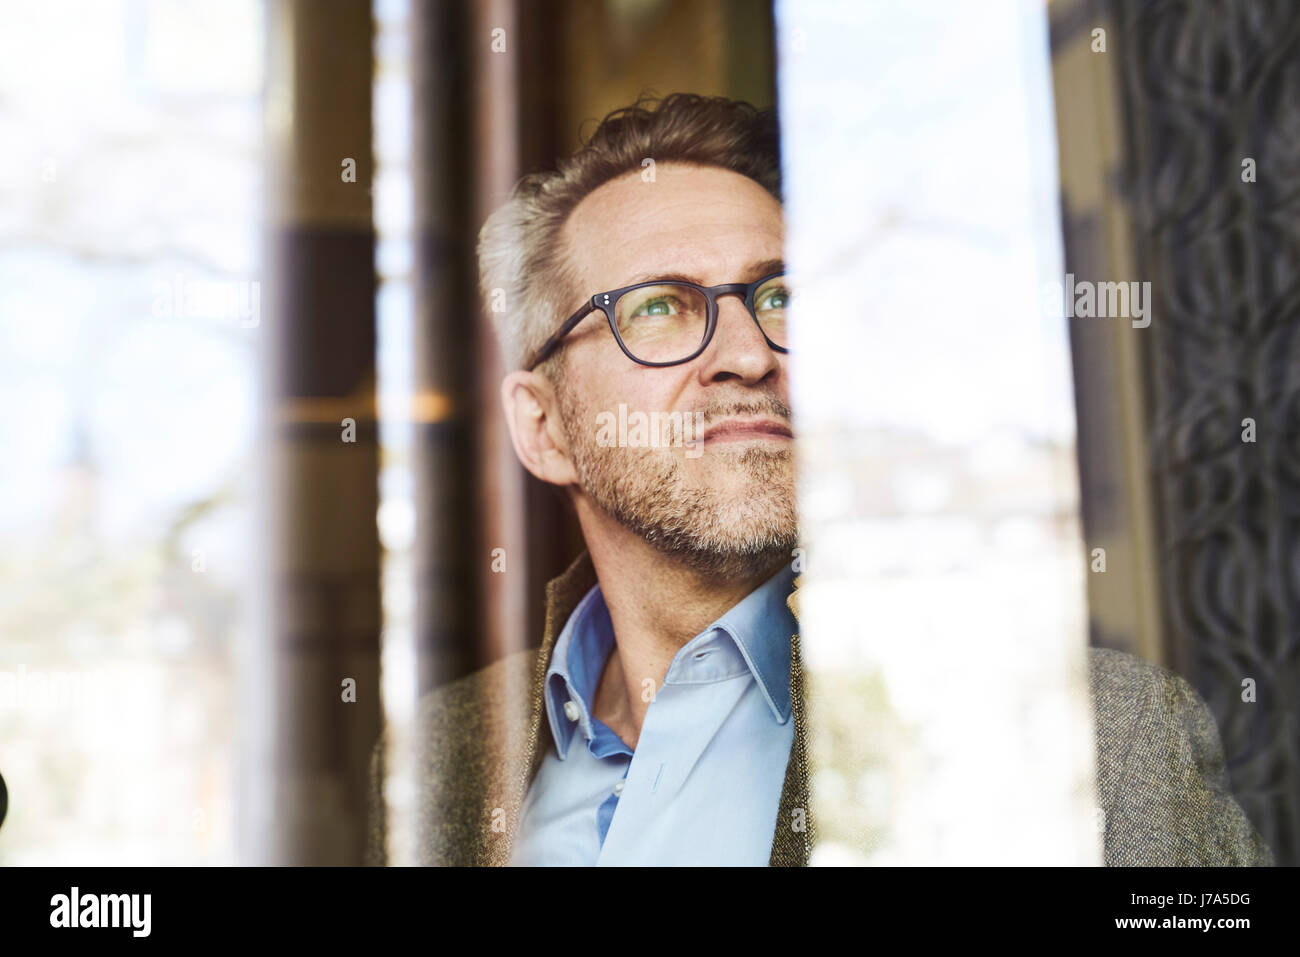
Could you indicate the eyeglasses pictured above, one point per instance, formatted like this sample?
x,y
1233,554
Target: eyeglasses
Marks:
x,y
667,322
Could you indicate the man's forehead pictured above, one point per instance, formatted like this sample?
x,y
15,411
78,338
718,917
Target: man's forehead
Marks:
x,y
690,221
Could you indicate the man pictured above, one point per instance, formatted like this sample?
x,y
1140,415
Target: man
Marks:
x,y
661,721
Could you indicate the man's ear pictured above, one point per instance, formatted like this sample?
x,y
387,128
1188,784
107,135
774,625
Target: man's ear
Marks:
x,y
533,416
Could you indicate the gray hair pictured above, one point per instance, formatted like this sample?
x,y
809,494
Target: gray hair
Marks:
x,y
524,275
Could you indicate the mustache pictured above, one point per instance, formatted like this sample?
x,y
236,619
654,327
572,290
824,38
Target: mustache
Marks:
x,y
770,406
677,428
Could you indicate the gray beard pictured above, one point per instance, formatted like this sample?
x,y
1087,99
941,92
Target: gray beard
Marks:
x,y
645,490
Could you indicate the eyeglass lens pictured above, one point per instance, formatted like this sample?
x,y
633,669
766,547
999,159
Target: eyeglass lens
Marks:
x,y
667,321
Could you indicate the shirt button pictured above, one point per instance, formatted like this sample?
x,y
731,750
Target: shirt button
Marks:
x,y
571,711
618,788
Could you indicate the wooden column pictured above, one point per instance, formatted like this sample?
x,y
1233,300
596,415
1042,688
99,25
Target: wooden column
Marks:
x,y
321,610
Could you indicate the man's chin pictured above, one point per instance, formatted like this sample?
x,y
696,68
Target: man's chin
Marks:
x,y
718,562
738,537
740,468
729,515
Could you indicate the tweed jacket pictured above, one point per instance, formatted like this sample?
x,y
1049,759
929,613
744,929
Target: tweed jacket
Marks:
x,y
480,740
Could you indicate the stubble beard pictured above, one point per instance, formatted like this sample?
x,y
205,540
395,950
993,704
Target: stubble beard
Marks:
x,y
720,534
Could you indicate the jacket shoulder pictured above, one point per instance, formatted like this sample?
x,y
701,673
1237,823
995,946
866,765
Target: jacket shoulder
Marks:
x,y
461,702
1161,780
460,733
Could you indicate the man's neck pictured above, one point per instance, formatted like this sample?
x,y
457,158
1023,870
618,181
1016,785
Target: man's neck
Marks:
x,y
656,604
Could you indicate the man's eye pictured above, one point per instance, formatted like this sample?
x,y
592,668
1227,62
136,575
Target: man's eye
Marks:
x,y
657,307
775,299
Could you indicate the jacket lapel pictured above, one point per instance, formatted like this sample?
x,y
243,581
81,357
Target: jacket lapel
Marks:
x,y
523,761
793,837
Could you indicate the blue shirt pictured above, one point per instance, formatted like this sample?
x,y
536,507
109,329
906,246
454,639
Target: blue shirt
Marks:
x,y
704,784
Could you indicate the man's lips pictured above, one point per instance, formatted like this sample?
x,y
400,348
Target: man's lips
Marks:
x,y
730,430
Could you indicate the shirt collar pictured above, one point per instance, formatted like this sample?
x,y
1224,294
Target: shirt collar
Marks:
x,y
760,625
576,665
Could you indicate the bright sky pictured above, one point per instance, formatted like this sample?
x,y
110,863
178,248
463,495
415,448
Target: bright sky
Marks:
x,y
131,162
930,180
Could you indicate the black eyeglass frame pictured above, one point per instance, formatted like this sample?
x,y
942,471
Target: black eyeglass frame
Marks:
x,y
606,302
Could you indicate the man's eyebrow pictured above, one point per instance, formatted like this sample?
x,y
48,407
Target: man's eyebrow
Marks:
x,y
756,271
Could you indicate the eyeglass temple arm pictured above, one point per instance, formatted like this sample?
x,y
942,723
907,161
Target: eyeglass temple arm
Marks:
x,y
553,343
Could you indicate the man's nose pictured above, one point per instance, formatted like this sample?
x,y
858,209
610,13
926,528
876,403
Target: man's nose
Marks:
x,y
738,350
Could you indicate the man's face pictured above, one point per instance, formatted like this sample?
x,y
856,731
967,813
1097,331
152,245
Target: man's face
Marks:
x,y
724,501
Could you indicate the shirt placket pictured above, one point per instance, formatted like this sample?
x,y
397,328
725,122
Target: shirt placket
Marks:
x,y
701,689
